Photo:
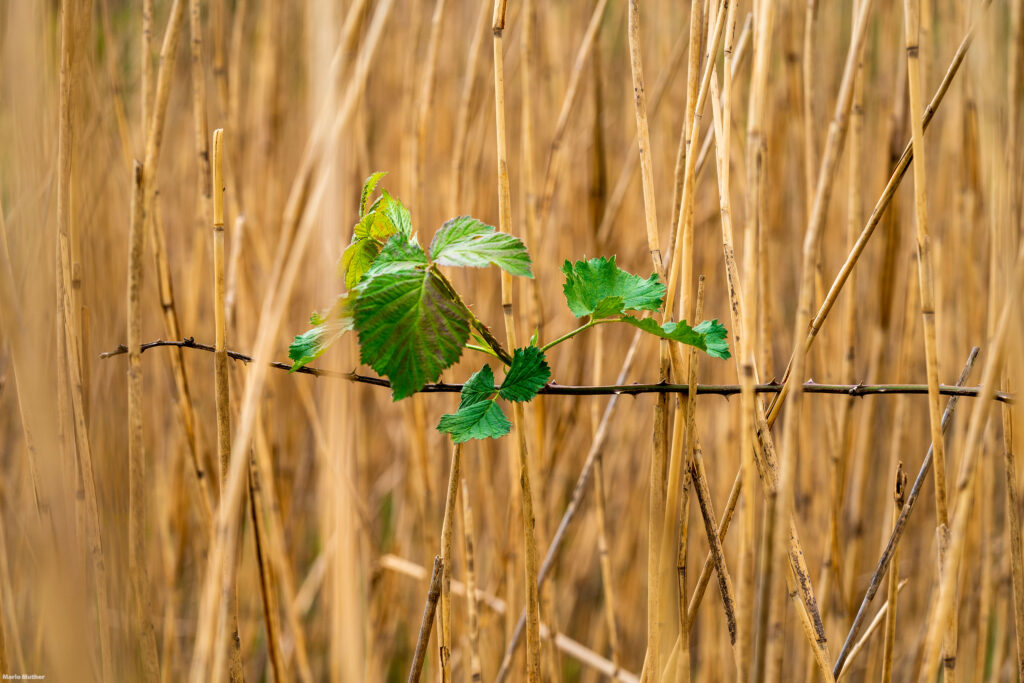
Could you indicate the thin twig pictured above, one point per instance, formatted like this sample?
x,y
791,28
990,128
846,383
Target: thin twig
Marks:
x,y
427,624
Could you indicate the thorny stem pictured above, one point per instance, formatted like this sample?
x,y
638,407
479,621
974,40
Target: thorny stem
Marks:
x,y
555,389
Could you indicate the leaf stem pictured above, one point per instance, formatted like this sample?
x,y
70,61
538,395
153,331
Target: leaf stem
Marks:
x,y
482,349
569,335
478,325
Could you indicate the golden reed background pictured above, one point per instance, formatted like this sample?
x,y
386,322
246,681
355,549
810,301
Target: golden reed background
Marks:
x,y
103,563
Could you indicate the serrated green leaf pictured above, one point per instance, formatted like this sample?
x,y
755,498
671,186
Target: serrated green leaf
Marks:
x,y
368,188
396,213
397,255
410,328
466,241
526,376
593,287
709,336
481,420
357,259
376,225
477,388
327,328
608,307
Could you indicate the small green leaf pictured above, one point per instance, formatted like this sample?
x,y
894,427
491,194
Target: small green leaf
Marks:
x,y
410,328
478,388
368,188
397,214
526,376
481,420
357,259
466,241
709,336
374,225
311,344
599,288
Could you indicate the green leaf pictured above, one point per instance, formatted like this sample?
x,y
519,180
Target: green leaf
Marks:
x,y
481,420
601,289
709,336
478,388
311,344
397,255
374,225
526,376
396,213
410,328
357,259
368,188
466,241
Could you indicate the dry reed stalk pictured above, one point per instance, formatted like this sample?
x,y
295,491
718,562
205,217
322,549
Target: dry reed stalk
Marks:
x,y
556,152
879,210
447,532
882,617
147,85
579,489
1013,523
811,249
567,645
154,127
427,623
294,238
116,91
199,108
807,73
268,596
466,97
424,103
899,498
658,458
912,19
943,606
221,385
505,225
136,447
899,526
475,668
69,333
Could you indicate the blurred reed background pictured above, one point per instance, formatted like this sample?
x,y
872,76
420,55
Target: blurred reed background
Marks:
x,y
108,570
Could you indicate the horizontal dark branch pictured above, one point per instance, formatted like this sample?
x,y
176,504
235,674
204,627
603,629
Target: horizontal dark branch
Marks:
x,y
810,387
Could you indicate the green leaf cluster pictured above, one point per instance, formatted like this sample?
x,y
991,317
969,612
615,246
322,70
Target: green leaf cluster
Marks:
x,y
479,416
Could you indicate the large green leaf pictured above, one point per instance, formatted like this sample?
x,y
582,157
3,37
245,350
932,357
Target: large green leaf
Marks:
x,y
601,289
466,241
410,328
476,421
326,329
526,376
709,336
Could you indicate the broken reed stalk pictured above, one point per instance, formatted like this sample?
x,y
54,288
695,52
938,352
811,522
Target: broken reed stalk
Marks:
x,y
447,532
899,527
427,623
926,277
945,602
518,419
475,668
137,565
899,498
221,387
